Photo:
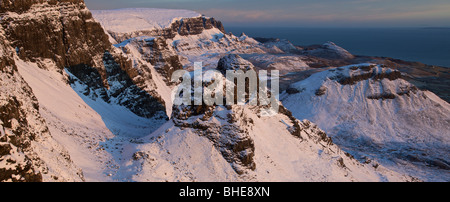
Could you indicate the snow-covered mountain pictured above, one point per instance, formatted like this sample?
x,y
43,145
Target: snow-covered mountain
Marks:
x,y
88,97
236,143
370,111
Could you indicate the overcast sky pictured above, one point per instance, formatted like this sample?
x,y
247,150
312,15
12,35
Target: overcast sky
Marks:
x,y
305,13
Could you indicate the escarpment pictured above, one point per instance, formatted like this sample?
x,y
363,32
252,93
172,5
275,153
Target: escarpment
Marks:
x,y
66,34
182,27
63,31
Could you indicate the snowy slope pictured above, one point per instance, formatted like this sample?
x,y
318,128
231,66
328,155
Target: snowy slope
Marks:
x,y
28,150
140,19
71,121
371,112
91,130
190,153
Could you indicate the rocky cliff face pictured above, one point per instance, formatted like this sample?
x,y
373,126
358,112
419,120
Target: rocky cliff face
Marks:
x,y
183,27
234,62
15,130
230,136
121,89
195,26
27,149
156,52
63,31
66,33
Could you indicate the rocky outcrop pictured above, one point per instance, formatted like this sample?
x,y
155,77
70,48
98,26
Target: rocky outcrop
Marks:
x,y
231,136
234,62
121,90
365,72
194,26
126,93
16,159
158,53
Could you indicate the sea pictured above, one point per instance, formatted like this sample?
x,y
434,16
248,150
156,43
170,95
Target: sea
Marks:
x,y
427,45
